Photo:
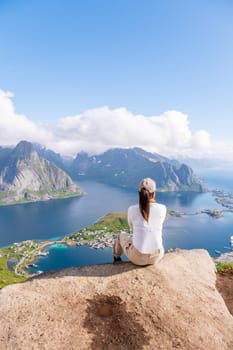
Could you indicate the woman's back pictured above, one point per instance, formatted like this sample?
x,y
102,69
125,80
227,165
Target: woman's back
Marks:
x,y
147,236
146,221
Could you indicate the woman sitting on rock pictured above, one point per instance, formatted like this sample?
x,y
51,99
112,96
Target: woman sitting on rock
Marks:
x,y
146,222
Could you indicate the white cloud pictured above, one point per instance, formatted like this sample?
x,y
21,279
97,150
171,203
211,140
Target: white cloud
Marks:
x,y
16,127
99,129
102,128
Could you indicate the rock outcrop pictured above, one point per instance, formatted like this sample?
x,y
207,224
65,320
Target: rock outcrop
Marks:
x,y
174,305
25,176
126,167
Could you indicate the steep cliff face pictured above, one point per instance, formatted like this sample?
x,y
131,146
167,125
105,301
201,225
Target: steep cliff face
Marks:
x,y
26,176
51,156
4,153
126,167
174,305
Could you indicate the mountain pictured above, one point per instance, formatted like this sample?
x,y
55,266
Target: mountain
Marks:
x,y
173,305
118,167
26,177
50,155
126,167
4,153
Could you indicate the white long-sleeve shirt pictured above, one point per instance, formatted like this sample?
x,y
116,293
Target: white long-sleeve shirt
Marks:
x,y
147,236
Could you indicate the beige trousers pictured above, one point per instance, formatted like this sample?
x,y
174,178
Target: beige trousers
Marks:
x,y
124,244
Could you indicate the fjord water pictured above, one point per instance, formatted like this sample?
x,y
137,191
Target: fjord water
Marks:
x,y
56,218
218,178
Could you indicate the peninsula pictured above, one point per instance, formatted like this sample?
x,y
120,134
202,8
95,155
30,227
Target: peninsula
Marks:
x,y
17,258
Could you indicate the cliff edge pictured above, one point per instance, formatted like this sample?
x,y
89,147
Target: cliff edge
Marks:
x,y
174,305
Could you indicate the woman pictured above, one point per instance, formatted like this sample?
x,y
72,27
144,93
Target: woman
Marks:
x,y
146,222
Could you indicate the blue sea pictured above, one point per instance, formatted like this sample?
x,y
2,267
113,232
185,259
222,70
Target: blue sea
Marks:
x,y
56,218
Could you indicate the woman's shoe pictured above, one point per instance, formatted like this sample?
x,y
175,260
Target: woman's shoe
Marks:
x,y
117,260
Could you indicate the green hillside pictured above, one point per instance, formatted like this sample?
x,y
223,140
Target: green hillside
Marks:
x,y
105,228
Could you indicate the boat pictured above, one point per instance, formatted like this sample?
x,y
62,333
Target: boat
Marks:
x,y
32,265
39,272
217,252
231,242
42,253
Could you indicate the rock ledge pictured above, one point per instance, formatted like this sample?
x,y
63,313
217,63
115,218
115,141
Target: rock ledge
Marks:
x,y
174,305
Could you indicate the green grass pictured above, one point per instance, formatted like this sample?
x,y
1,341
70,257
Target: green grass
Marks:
x,y
26,251
107,226
221,267
111,222
6,276
56,194
4,195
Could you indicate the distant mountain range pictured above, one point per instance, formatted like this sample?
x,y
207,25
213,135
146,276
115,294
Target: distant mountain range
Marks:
x,y
27,177
30,172
126,167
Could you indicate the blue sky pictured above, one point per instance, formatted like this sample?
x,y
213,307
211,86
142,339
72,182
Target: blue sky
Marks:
x,y
62,57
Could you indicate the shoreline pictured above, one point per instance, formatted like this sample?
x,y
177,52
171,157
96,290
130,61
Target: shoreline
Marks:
x,y
21,269
6,204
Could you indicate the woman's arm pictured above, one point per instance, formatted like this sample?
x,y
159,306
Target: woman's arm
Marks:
x,y
130,223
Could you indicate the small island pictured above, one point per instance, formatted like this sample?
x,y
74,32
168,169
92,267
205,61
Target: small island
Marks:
x,y
224,198
216,213
175,213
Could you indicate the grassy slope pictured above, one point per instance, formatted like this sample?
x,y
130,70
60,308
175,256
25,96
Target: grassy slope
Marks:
x,y
6,276
111,222
221,267
107,226
59,194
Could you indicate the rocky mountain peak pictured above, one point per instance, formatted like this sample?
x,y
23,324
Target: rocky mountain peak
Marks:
x,y
25,176
24,150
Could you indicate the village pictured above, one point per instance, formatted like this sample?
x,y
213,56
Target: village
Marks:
x,y
96,239
15,260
